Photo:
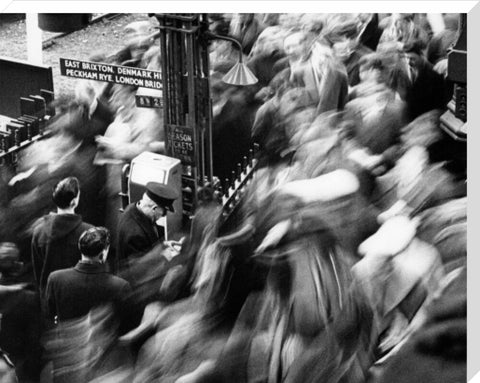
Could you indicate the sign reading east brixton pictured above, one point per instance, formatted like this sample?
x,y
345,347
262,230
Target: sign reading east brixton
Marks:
x,y
111,73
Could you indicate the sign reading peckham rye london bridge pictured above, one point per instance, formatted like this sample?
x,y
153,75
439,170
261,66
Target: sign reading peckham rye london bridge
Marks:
x,y
111,73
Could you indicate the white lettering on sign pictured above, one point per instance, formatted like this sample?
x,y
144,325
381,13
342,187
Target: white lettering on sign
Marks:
x,y
105,77
72,64
134,72
184,146
82,74
153,84
112,73
180,137
129,81
97,67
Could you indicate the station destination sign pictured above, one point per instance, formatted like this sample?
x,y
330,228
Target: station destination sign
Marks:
x,y
111,73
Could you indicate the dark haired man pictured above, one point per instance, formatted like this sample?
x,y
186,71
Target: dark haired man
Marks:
x,y
73,292
428,90
55,236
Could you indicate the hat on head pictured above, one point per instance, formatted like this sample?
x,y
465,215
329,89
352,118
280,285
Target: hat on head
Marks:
x,y
162,195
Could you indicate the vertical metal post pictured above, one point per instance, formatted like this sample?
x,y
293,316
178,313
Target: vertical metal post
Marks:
x,y
185,67
34,39
209,118
206,103
165,77
191,119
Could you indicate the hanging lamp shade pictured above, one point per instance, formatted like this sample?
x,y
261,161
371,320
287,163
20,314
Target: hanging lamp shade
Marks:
x,y
240,75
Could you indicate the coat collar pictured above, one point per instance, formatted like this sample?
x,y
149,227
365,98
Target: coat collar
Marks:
x,y
91,268
144,222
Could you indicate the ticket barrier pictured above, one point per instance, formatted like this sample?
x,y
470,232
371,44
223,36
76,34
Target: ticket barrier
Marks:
x,y
17,133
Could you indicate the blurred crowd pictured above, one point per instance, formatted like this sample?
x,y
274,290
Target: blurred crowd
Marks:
x,y
345,261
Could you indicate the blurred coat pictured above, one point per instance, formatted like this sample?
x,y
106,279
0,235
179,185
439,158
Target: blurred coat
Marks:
x,y
439,44
351,64
437,351
83,122
20,330
326,81
266,65
378,117
402,28
389,279
246,28
269,132
445,227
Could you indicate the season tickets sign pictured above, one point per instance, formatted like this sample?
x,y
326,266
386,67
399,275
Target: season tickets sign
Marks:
x,y
180,143
111,73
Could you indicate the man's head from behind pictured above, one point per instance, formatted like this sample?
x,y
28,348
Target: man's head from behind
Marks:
x,y
94,243
66,193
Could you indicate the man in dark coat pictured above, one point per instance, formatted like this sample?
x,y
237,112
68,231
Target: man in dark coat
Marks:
x,y
137,229
428,90
55,237
73,292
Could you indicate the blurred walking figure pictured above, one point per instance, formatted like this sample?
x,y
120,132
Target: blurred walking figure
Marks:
x,y
377,113
19,320
55,237
246,27
344,39
314,67
401,27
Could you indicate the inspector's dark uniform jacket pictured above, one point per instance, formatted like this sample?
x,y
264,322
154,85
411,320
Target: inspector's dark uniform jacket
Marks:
x,y
137,234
